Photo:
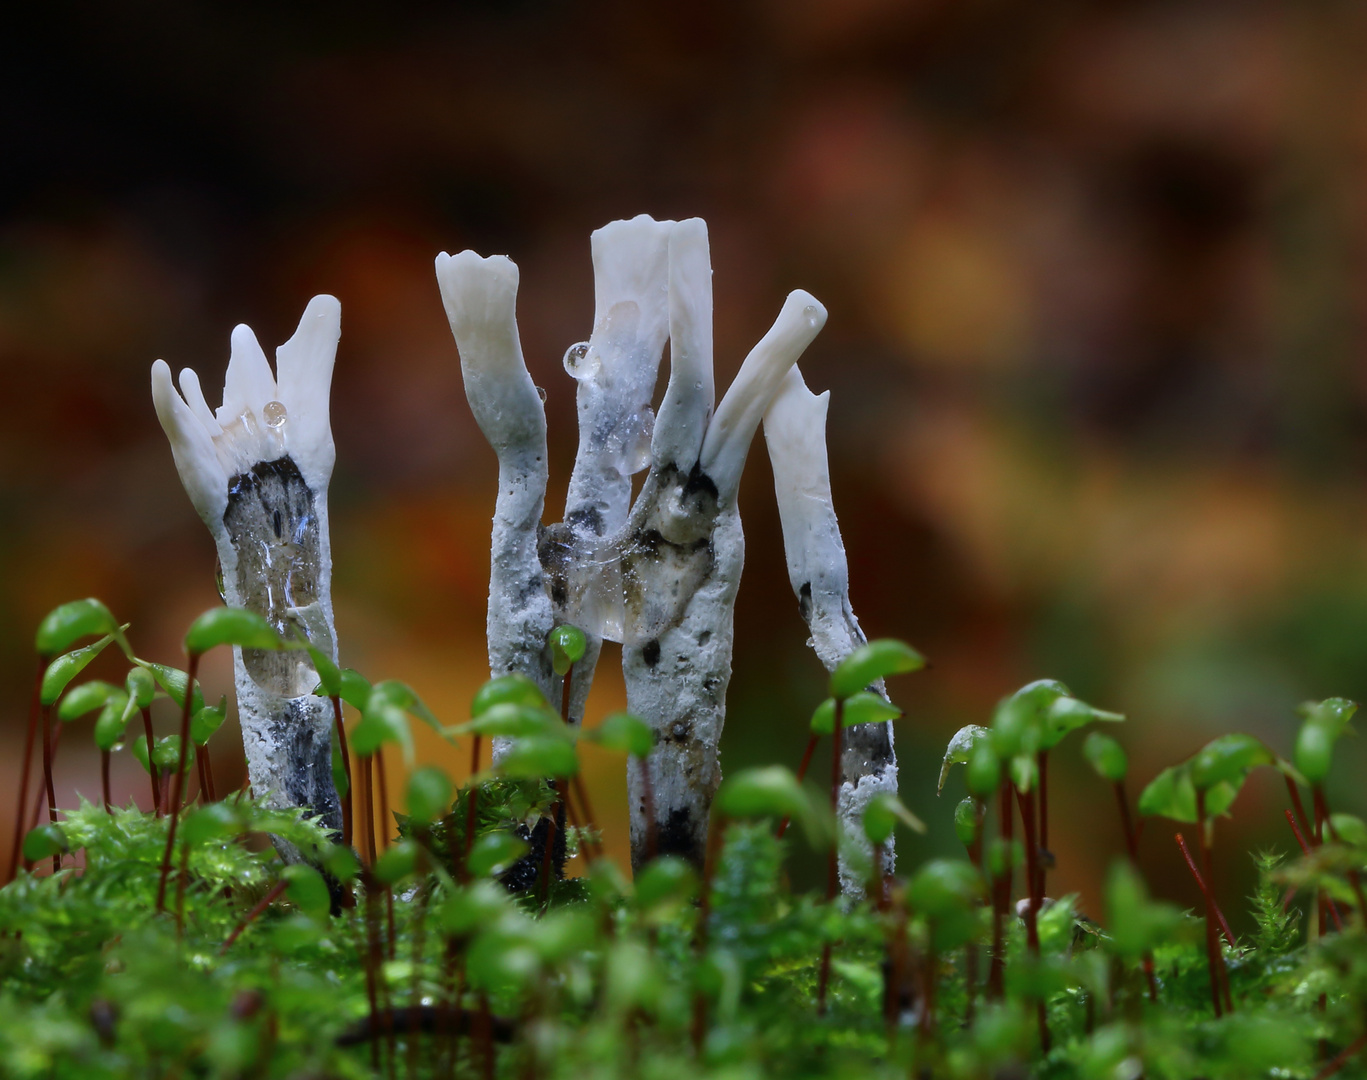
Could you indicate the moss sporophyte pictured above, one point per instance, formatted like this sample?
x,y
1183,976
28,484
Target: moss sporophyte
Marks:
x,y
482,932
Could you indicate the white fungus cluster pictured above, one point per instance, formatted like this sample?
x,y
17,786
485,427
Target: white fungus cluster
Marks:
x,y
658,574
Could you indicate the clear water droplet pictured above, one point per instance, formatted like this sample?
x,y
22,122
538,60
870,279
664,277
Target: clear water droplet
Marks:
x,y
275,414
574,357
541,393
810,312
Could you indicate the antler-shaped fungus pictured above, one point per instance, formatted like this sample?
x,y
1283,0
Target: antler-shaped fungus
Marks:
x,y
795,430
257,471
661,575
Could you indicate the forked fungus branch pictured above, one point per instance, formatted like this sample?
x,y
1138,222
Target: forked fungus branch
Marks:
x,y
660,575
257,472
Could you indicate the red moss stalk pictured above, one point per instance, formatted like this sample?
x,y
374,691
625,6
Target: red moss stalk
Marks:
x,y
47,771
801,776
548,855
383,781
346,768
209,773
266,901
1042,857
648,799
34,706
177,783
1034,878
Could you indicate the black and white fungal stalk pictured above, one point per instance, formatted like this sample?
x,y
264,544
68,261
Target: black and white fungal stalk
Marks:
x,y
795,430
257,472
480,296
659,575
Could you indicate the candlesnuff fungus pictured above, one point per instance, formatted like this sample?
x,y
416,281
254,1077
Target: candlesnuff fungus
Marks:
x,y
257,472
659,575
795,431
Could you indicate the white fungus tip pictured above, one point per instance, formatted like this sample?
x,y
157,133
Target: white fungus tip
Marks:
x,y
631,266
304,387
249,382
194,397
748,398
691,394
191,446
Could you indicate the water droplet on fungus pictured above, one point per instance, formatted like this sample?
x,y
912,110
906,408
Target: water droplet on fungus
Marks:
x,y
275,414
574,357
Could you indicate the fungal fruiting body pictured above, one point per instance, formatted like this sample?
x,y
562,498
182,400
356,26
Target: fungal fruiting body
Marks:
x,y
257,472
660,575
795,431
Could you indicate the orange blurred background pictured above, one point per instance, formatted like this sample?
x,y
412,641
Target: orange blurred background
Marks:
x,y
1096,287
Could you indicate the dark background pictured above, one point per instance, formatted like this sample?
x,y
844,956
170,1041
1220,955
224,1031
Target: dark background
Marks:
x,y
1095,277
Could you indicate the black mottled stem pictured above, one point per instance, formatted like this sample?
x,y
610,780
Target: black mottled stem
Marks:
x,y
833,863
346,768
33,711
151,765
801,776
104,780
179,780
209,772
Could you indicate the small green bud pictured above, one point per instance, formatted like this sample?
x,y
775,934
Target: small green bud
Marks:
x,y
567,647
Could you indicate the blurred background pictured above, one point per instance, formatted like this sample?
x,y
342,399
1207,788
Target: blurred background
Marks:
x,y
1095,274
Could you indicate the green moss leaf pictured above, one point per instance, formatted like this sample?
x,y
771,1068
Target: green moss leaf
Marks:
x,y
871,662
624,733
567,647
513,689
66,624
230,626
66,667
